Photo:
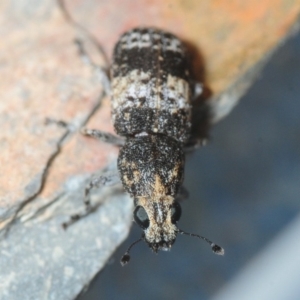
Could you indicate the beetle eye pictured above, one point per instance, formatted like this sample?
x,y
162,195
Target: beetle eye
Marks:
x,y
141,218
175,212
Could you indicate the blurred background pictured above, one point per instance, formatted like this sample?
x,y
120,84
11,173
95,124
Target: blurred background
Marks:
x,y
244,195
243,186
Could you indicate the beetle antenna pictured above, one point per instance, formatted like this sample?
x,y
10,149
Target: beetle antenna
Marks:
x,y
126,257
215,248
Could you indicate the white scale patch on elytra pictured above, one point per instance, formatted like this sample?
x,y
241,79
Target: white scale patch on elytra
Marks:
x,y
143,40
137,86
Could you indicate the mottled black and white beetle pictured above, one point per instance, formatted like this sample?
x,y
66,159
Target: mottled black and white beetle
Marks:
x,y
151,92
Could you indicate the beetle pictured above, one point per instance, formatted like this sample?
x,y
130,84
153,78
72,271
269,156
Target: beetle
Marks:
x,y
151,89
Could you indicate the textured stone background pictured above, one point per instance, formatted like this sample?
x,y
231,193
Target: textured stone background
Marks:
x,y
44,168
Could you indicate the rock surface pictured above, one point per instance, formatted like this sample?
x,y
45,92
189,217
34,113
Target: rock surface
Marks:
x,y
44,169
